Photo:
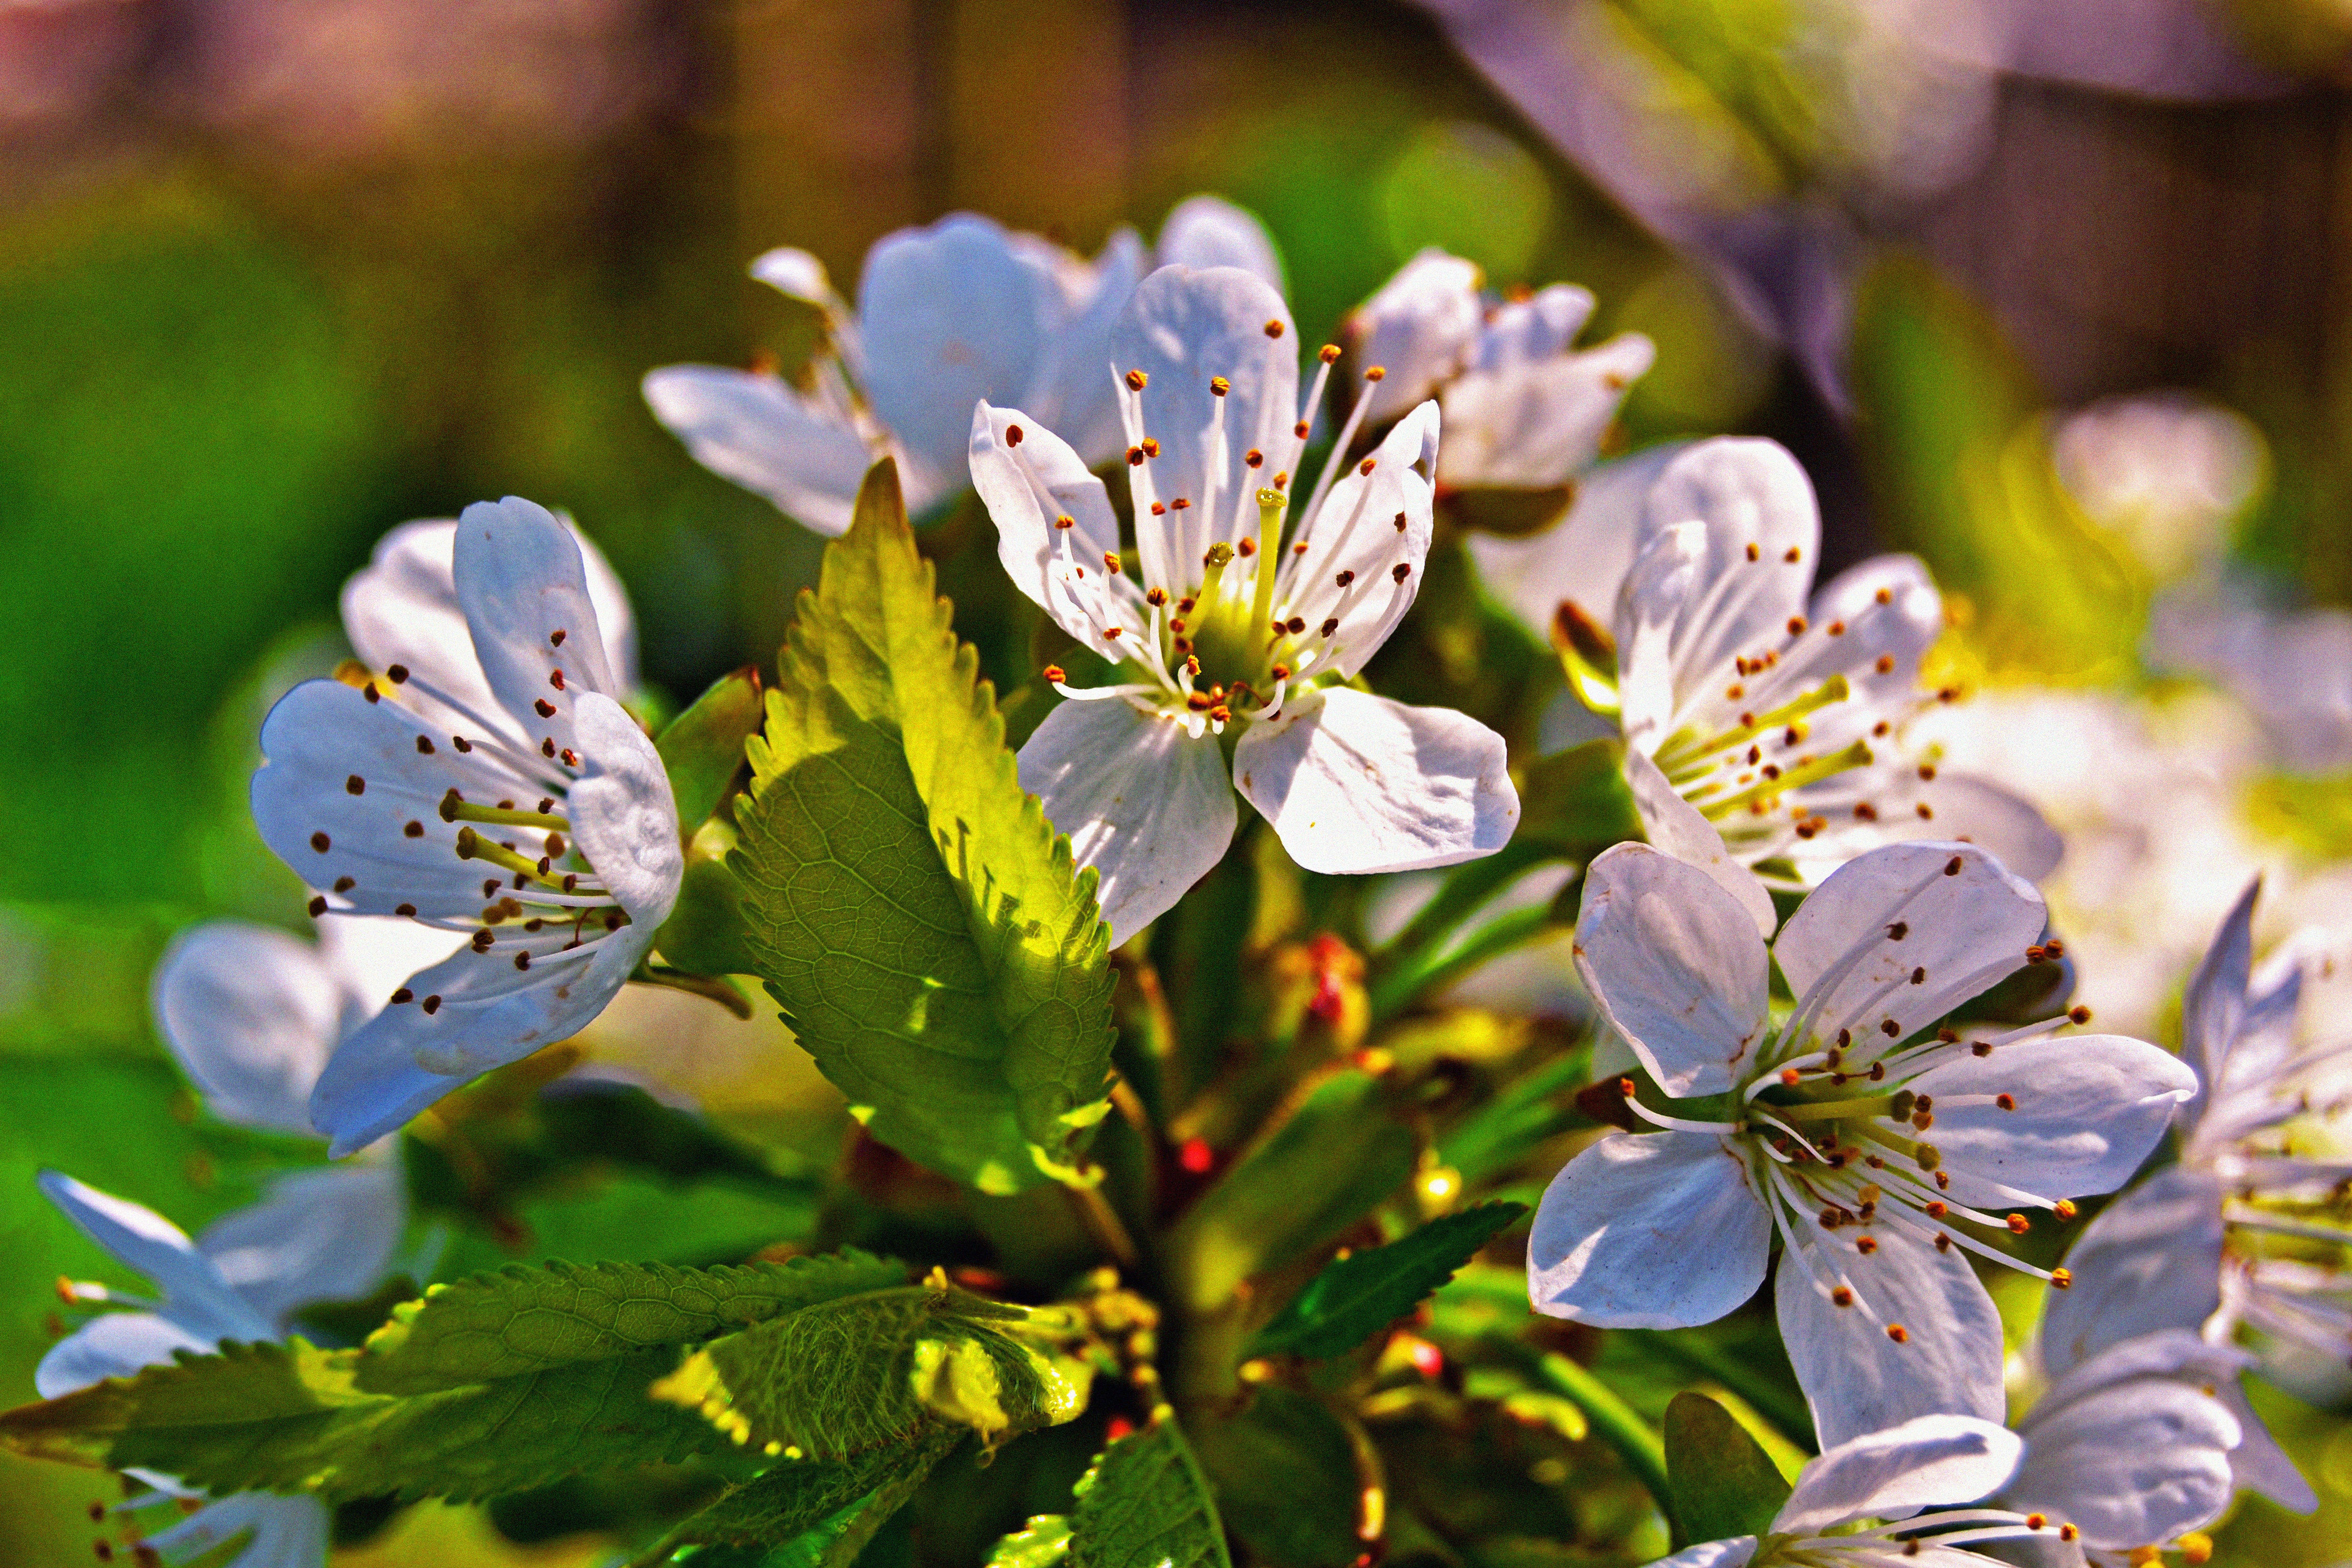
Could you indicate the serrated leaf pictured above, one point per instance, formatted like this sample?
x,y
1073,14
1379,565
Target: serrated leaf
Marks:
x,y
1355,1297
843,1377
521,1320
1723,1483
803,1496
702,748
1044,1542
906,903
292,1418
1146,1504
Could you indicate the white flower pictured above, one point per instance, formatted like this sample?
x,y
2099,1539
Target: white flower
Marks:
x,y
509,799
1875,1150
2241,1231
2163,469
1928,1462
1247,618
946,316
2134,1449
322,1235
2292,669
1761,718
1524,409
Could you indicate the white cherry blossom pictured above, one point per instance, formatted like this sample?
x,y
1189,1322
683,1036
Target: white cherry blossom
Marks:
x,y
946,316
1880,1148
2247,1229
320,1238
1907,1477
1244,619
508,800
1525,409
1763,718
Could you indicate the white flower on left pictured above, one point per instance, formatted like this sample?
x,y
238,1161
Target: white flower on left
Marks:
x,y
1874,1149
1244,612
501,795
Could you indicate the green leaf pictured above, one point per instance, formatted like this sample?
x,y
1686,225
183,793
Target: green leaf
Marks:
x,y
292,1418
801,1497
847,1377
910,907
1146,1504
704,933
1286,1482
702,748
1334,1158
1355,1297
1043,1543
522,1321
1722,1483
1577,803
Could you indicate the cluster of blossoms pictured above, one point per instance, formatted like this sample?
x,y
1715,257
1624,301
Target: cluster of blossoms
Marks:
x,y
494,846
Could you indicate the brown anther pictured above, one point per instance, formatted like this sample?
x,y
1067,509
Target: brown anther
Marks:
x,y
1952,867
318,905
1112,634
404,909
2036,953
2062,1279
1400,522
1343,579
1151,446
1135,457
1299,429
1981,1048
2078,1014
1734,692
1254,458
1219,386
1111,563
356,785
1137,381
1066,520
1791,1077
2006,1101
1898,1333
1835,628
2036,1521
1755,553
1885,665
1937,1208
1012,435
344,884
1841,1297
1865,812
1796,626
555,679
1155,597
1890,1028
2018,1225
1625,1087
1878,1069
423,747
1295,625
2064,1208
1274,328
1330,627
462,743
1927,812
1899,931
1367,465
371,693
1220,714
1377,373
569,758
1943,1242
522,961
1280,672
1865,1245
1329,354
414,830
1919,976
555,638
1158,509
542,707
432,1004
1401,570
320,842
1198,701
403,995
1246,548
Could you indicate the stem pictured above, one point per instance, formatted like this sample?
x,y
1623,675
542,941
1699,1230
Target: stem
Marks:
x,y
716,988
1102,1222
1643,1451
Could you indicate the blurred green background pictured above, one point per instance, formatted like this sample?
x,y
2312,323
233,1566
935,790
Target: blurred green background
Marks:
x,y
274,278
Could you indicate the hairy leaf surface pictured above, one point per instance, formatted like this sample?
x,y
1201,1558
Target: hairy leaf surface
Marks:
x,y
812,1506
1146,1504
908,904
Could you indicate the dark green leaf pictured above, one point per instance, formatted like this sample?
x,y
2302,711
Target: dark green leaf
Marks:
x,y
1355,1297
1145,1504
908,904
702,748
847,1377
704,933
801,1497
1285,1471
1723,1483
1576,802
1324,1167
522,1320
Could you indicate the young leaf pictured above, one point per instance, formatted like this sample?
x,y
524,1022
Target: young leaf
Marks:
x,y
702,748
908,904
292,1418
844,1377
1723,1484
835,1501
1355,1297
522,1320
1146,1504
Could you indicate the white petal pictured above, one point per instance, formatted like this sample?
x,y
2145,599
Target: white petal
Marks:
x,y
2135,1461
951,314
1026,485
1963,807
112,1345
1652,1230
282,1531
1676,966
370,958
790,270
2151,1260
196,1296
622,812
318,738
2088,1109
1073,388
1180,329
1533,427
1745,494
1366,528
1210,231
1657,592
1736,1553
1528,330
1583,557
1418,326
320,1235
761,433
2258,1464
1146,805
1356,783
1964,923
2215,1001
1683,831
490,1014
1856,1377
1926,1462
1901,627
522,581
250,1013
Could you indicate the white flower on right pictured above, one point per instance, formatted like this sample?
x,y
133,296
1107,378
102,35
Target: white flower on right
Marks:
x,y
947,316
506,797
320,1237
1875,1149
1245,613
1762,719
1525,409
